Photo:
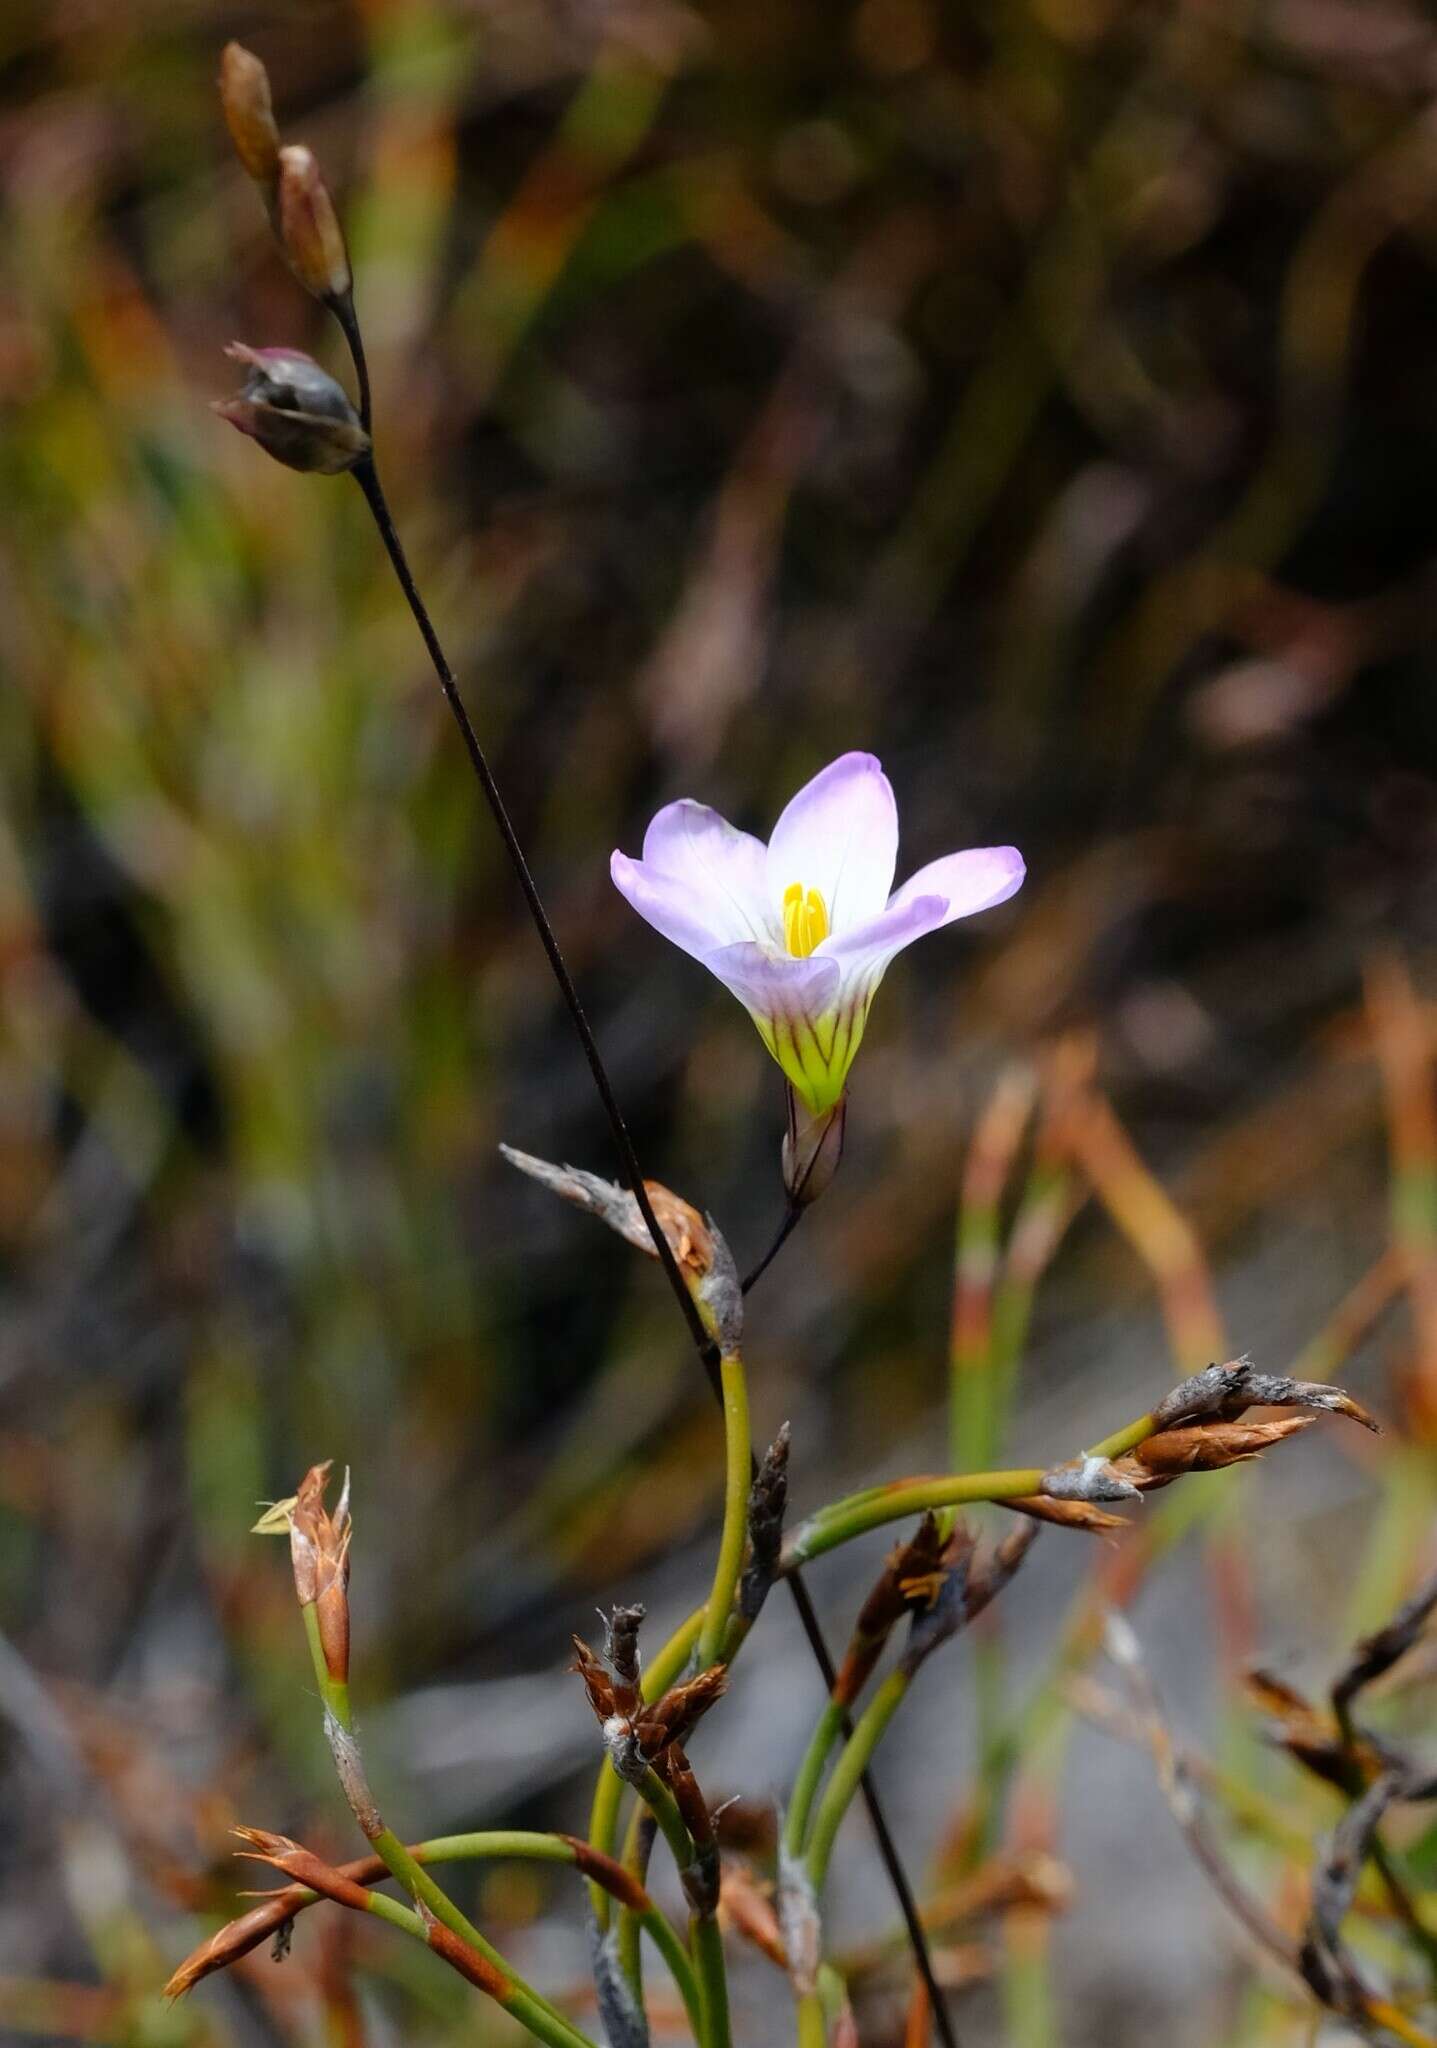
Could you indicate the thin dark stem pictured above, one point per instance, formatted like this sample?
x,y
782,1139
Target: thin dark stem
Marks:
x,y
887,1847
344,313
368,479
785,1230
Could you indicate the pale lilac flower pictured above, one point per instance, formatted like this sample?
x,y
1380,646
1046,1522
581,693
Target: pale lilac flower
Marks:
x,y
802,930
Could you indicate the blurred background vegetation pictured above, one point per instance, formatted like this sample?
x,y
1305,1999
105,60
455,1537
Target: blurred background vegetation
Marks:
x,y
1037,393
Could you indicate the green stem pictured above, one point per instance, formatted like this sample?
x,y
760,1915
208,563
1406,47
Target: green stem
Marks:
x,y
635,1859
333,1691
705,1940
675,1955
543,2020
707,1944
665,1809
838,1796
812,2027
738,1455
842,1520
805,1785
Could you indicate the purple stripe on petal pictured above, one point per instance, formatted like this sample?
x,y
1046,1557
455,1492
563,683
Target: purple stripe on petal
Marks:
x,y
839,835
973,880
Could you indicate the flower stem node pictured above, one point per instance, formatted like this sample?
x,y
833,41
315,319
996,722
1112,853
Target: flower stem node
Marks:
x,y
308,227
1088,1479
803,930
812,1149
295,411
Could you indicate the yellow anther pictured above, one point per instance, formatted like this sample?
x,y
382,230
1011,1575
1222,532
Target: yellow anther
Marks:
x,y
805,919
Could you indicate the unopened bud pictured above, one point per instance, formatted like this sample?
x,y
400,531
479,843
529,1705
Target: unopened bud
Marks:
x,y
249,115
308,226
812,1150
295,410
319,1551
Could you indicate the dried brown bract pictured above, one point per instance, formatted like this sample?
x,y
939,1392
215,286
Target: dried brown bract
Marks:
x,y
747,1907
1207,1447
319,1551
700,1252
1225,1391
1068,1514
767,1504
911,1580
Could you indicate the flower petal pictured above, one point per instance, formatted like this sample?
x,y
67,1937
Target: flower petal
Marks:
x,y
775,985
696,921
974,880
693,844
839,835
865,952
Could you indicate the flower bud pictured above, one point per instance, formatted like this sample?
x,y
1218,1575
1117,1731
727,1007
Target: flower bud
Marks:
x,y
308,226
812,1149
249,114
295,410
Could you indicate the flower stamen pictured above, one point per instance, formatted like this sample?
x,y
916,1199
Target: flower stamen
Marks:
x,y
805,920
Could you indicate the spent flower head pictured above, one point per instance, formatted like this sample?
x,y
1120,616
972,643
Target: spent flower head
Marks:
x,y
295,410
802,930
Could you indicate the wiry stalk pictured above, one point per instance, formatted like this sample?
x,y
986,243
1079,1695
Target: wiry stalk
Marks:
x,y
367,476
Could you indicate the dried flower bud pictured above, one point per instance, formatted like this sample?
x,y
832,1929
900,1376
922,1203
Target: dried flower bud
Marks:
x,y
319,1552
673,1717
235,1939
308,226
994,1566
767,1502
597,1681
745,1906
1226,1390
295,410
303,1867
911,1579
812,1149
700,1253
622,1651
249,115
1207,1448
